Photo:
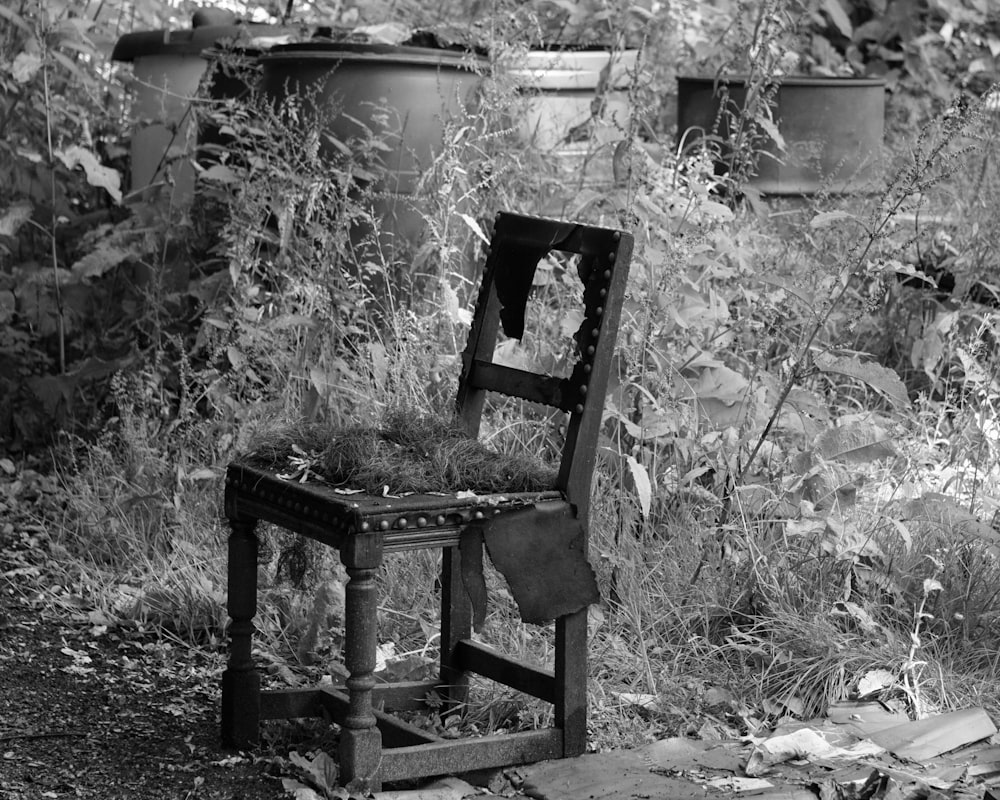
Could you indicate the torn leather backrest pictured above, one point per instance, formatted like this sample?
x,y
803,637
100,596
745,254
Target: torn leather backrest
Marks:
x,y
540,552
520,251
514,283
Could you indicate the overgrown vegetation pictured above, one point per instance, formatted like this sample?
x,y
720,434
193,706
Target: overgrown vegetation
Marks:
x,y
407,454
797,478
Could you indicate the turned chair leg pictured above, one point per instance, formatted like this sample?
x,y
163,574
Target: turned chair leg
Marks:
x,y
240,681
360,740
456,624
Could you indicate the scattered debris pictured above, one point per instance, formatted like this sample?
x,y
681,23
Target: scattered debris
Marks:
x,y
805,744
860,751
925,738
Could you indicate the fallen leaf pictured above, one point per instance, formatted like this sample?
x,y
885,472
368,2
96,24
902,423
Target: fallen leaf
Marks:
x,y
643,486
875,680
646,701
97,174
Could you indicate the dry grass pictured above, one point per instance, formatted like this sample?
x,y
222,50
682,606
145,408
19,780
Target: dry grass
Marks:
x,y
407,453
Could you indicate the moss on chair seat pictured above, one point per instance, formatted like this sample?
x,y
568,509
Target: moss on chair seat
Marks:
x,y
407,453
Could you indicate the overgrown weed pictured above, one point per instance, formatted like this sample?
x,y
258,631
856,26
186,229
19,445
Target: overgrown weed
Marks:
x,y
733,593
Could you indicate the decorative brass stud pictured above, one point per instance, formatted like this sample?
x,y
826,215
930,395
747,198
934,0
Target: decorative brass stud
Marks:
x,y
421,522
612,256
591,350
595,333
579,409
587,368
604,292
401,522
384,525
583,390
599,311
365,527
616,236
440,519
607,274
478,515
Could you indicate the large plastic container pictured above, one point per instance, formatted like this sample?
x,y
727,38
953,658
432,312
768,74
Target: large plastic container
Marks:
x,y
404,93
561,88
168,66
832,127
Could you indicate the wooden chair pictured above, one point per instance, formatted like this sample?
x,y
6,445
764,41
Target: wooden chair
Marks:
x,y
543,531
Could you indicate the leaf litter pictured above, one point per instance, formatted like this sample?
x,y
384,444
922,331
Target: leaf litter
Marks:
x,y
861,750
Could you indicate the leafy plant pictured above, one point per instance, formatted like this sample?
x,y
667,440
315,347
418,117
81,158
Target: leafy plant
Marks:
x,y
589,23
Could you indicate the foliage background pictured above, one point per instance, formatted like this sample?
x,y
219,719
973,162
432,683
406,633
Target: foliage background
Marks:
x,y
798,471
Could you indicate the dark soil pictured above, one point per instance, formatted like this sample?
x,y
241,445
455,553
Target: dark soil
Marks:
x,y
91,709
109,709
91,713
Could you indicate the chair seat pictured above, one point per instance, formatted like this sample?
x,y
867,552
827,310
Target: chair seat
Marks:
x,y
332,515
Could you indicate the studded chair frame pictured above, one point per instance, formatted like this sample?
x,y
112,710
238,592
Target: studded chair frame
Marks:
x,y
374,745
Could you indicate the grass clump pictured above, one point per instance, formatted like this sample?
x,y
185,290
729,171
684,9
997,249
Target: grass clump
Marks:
x,y
408,453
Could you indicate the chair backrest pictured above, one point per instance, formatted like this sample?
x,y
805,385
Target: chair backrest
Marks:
x,y
519,243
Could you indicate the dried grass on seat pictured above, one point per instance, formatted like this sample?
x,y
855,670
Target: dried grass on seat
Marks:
x,y
407,453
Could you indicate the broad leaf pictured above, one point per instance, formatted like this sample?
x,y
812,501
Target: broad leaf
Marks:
x,y
453,307
719,383
874,681
880,378
643,486
475,227
771,130
858,442
321,770
941,510
221,174
904,533
859,615
845,541
716,210
778,281
975,373
299,790
805,528
653,426
808,402
14,217
826,218
97,174
25,66
835,11
104,259
15,19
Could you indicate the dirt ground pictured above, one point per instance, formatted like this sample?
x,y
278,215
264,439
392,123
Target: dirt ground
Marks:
x,y
92,710
85,715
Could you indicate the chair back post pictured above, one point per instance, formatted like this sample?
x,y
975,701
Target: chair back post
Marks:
x,y
480,345
604,272
517,246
